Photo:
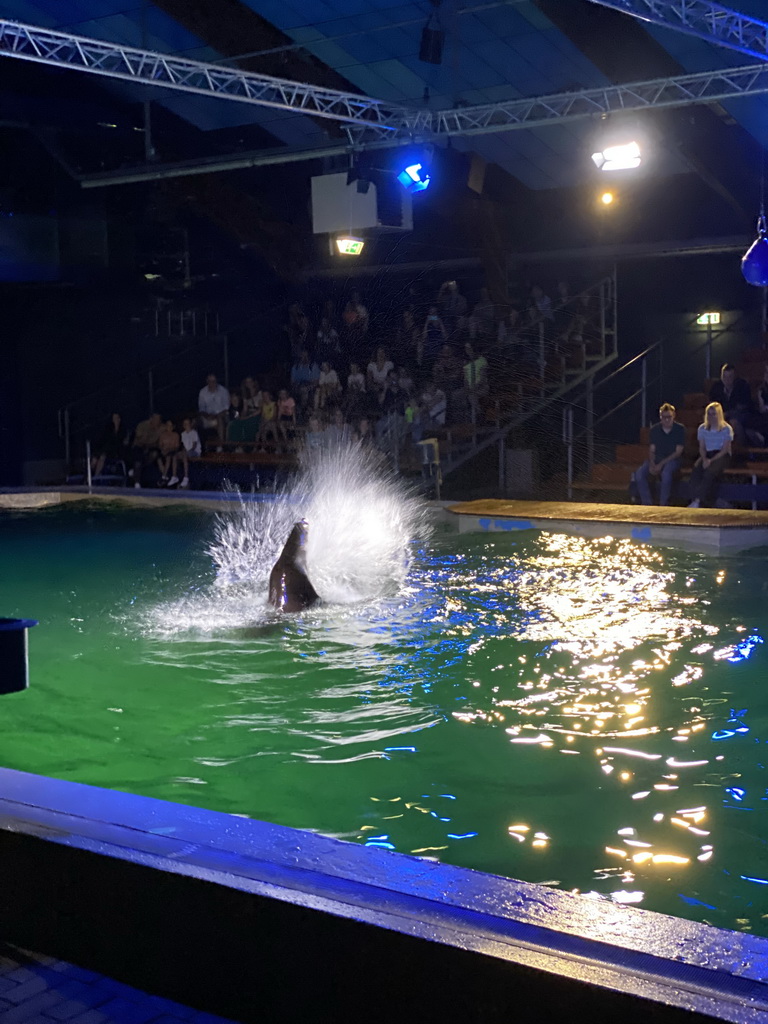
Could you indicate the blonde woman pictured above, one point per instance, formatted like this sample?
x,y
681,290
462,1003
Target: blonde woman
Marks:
x,y
715,438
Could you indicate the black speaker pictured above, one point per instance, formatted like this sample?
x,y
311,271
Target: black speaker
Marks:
x,y
14,670
431,49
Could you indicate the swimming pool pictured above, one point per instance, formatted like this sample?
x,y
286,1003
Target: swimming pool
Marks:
x,y
590,714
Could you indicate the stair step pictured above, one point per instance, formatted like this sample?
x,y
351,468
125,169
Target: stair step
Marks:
x,y
611,473
631,454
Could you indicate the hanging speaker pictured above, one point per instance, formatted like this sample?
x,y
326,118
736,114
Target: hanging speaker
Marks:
x,y
431,49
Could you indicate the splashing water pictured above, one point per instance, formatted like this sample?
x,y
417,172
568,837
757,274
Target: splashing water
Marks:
x,y
361,518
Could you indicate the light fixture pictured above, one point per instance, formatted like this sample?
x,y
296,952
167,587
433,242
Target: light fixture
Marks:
x,y
414,178
348,245
754,263
432,38
624,157
607,198
708,319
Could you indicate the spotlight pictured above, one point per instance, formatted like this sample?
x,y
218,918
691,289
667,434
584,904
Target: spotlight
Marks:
x,y
607,198
348,245
618,158
414,178
432,38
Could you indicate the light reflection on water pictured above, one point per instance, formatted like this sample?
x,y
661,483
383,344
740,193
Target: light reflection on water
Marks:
x,y
584,686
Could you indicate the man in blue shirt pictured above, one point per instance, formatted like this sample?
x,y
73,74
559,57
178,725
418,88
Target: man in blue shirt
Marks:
x,y
667,442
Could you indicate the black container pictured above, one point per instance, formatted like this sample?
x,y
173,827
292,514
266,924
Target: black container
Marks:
x,y
14,667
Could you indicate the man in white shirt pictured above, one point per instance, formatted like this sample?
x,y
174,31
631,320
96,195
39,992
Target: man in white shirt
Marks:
x,y
213,405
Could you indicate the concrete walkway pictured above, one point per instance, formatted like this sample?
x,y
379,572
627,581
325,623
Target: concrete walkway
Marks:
x,y
36,989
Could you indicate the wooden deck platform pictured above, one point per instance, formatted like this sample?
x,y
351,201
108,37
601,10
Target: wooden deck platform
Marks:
x,y
711,530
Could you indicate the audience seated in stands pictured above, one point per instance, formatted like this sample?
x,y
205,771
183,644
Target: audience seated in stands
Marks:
x,y
665,453
328,387
112,445
304,377
315,434
190,449
475,377
286,416
145,450
169,446
268,426
338,430
212,405
379,370
448,375
715,437
433,336
328,345
760,419
733,395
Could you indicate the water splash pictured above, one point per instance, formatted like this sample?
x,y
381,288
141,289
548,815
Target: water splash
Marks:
x,y
362,520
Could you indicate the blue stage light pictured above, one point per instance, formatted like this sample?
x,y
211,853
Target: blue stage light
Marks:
x,y
414,178
754,263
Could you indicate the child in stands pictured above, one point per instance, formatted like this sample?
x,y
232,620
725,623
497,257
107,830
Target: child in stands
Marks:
x,y
190,449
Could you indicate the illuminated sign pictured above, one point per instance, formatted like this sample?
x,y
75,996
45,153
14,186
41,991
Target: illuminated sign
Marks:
x,y
350,246
708,319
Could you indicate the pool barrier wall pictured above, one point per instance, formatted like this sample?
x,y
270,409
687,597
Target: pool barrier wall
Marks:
x,y
258,922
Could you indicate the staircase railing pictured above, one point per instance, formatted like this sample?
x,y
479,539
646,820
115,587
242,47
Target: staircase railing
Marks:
x,y
649,363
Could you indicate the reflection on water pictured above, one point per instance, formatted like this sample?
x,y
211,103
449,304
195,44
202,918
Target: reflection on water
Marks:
x,y
587,714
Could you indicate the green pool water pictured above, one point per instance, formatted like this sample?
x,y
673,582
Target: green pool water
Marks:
x,y
590,714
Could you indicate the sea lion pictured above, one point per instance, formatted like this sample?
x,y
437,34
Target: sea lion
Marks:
x,y
289,586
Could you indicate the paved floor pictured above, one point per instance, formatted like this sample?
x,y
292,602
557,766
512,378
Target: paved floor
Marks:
x,y
37,989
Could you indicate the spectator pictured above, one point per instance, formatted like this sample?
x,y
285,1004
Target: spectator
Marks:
x,y
250,415
238,428
354,399
733,394
328,345
298,329
328,387
666,446
251,395
315,436
433,337
212,404
355,318
338,430
448,376
304,377
145,446
760,423
268,419
453,305
506,333
715,437
405,380
434,405
113,444
286,415
379,370
541,303
475,377
190,449
392,405
364,434
168,444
